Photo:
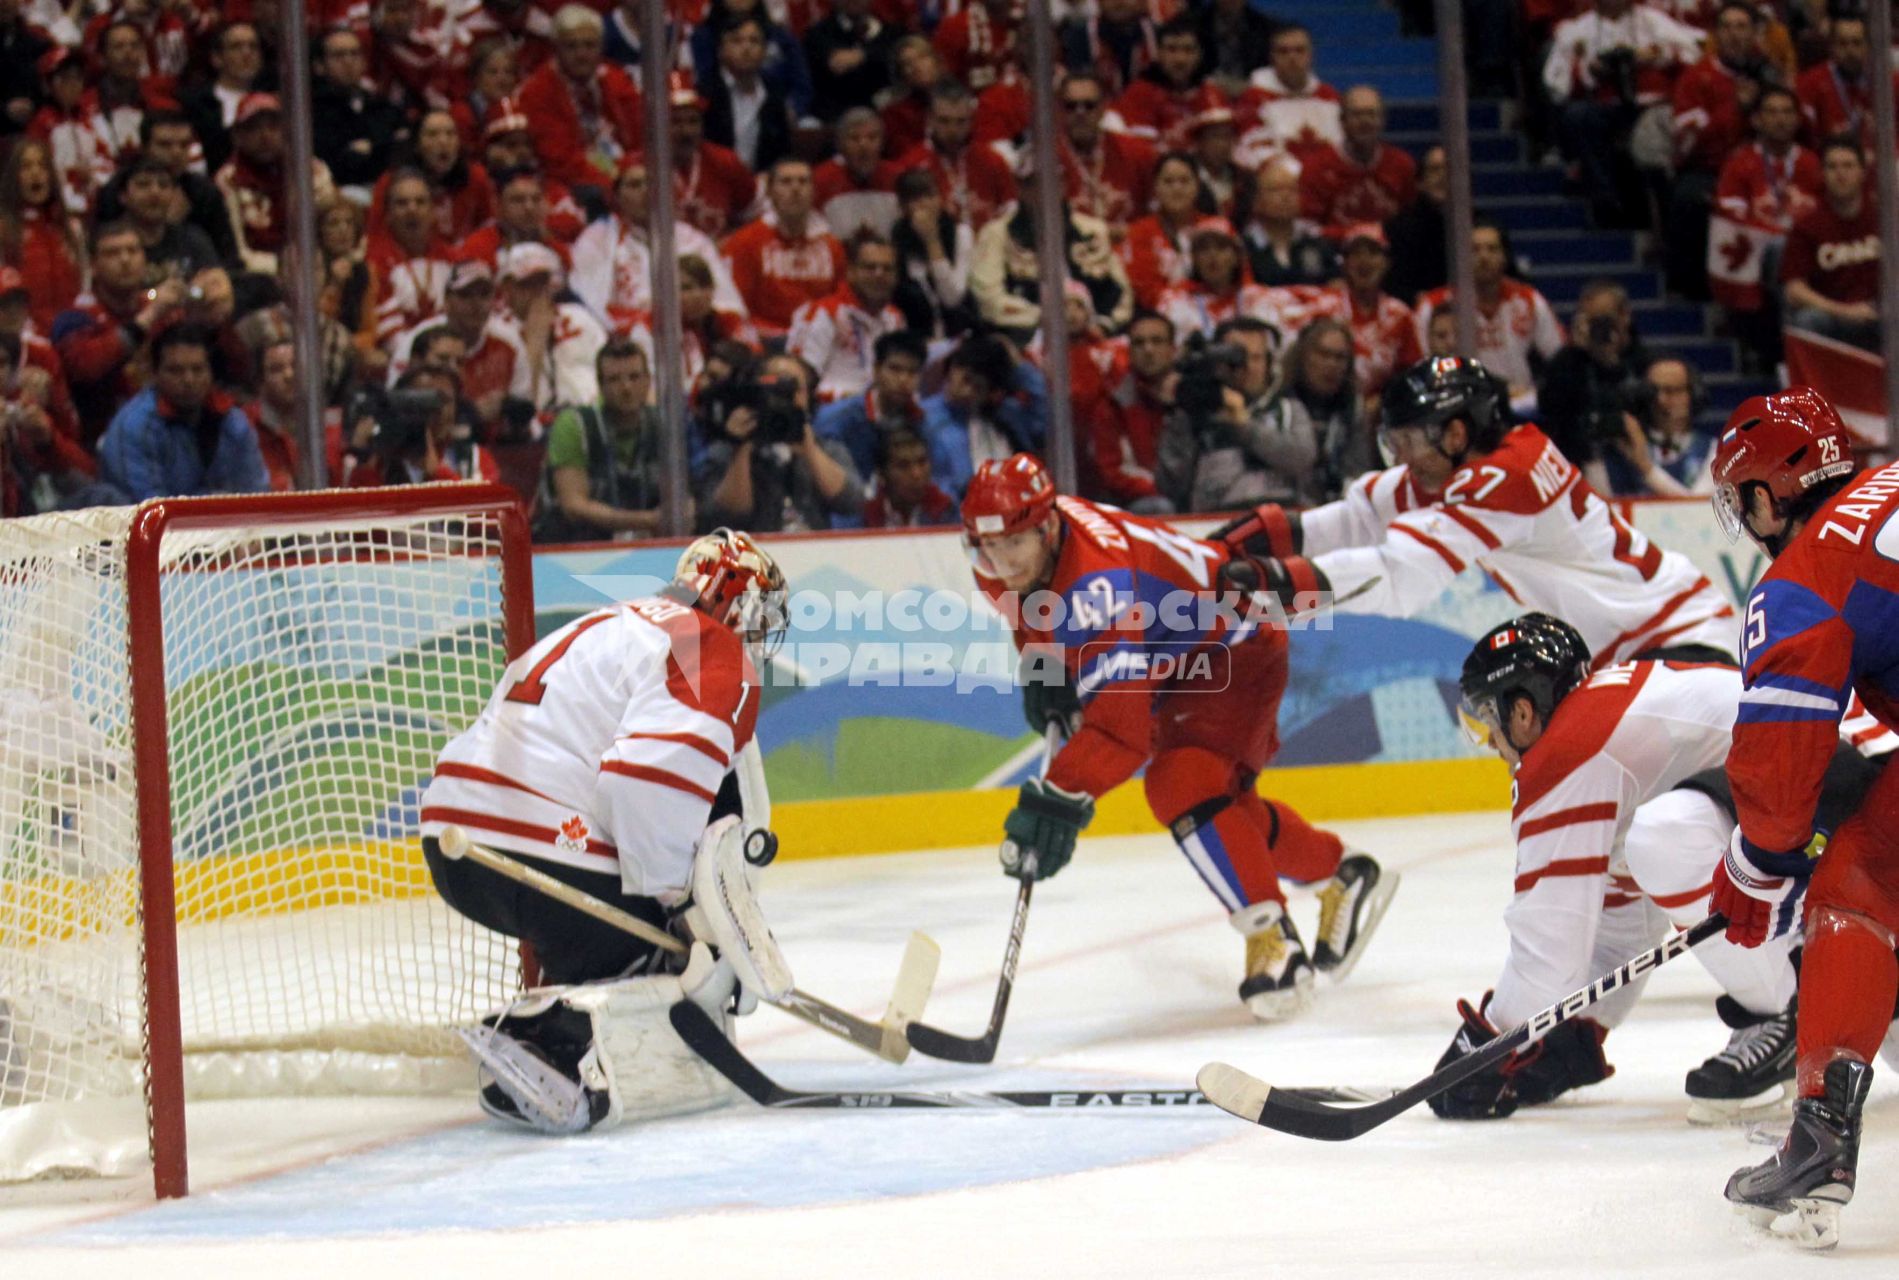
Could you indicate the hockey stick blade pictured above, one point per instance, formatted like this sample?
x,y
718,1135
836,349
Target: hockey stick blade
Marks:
x,y
1303,1116
937,1043
886,1039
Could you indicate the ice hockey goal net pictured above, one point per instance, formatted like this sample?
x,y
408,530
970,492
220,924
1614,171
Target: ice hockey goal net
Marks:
x,y
216,718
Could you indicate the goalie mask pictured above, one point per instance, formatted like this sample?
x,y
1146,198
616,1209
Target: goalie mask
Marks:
x,y
1535,656
732,579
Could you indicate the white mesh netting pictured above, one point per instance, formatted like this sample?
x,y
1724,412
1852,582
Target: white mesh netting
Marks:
x,y
312,673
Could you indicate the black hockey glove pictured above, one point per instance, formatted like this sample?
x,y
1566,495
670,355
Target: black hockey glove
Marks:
x,y
1268,530
1567,1058
1295,580
1046,702
1488,1094
1039,833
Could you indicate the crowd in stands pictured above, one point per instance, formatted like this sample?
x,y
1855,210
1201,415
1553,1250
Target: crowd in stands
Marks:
x,y
855,245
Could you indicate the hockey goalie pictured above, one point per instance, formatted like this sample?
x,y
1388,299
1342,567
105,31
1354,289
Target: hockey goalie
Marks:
x,y
617,756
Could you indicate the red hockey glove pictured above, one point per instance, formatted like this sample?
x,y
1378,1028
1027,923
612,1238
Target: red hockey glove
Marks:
x,y
1760,892
1266,530
1295,580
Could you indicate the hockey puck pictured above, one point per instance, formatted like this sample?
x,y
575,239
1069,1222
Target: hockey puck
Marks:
x,y
761,846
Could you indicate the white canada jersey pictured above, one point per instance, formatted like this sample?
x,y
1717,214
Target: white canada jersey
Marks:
x,y
1529,519
1631,732
605,746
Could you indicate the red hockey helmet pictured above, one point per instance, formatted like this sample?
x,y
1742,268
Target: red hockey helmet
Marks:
x,y
1789,441
737,583
1007,497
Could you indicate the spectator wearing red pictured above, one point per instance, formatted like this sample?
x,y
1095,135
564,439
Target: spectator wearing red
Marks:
x,y
237,61
1216,288
511,146
1294,112
1765,186
42,460
974,181
561,338
585,112
409,257
978,41
1003,109
1162,103
613,258
1836,96
836,334
1384,329
904,493
1118,43
252,181
786,258
273,414
1104,175
705,326
36,352
1362,179
1713,100
493,365
493,73
127,88
1829,271
70,124
712,188
1516,326
520,218
37,238
856,189
406,51
99,336
745,113
165,38
905,106
463,191
1124,440
1155,249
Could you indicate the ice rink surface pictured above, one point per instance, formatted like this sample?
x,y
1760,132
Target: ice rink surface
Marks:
x,y
1128,978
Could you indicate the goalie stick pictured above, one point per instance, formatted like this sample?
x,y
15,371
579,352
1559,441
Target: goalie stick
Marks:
x,y
915,976
941,1044
1291,1111
704,1038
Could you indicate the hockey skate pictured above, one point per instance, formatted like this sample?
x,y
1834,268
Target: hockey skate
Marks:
x,y
1350,906
1799,1192
1278,981
1753,1076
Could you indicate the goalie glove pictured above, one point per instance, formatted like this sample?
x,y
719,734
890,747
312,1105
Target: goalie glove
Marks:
x,y
1488,1095
1760,892
1268,531
724,914
1040,832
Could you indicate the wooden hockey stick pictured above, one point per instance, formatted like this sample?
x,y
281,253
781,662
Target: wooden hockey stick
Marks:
x,y
915,976
1250,1098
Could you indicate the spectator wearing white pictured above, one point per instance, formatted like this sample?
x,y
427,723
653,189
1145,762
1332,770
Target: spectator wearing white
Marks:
x,y
1006,280
1298,113
1216,288
494,367
1514,321
613,258
561,339
836,335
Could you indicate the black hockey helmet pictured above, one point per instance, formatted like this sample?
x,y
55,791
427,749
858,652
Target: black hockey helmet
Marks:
x,y
1432,392
1535,656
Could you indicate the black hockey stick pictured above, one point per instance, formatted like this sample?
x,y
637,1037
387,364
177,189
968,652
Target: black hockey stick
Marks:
x,y
704,1038
937,1043
1291,1111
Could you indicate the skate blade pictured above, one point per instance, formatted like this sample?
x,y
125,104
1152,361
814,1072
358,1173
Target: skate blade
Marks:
x,y
1725,1111
1377,902
1277,1006
1812,1224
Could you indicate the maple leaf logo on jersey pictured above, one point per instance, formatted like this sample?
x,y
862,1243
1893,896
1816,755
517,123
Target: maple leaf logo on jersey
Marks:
x,y
573,835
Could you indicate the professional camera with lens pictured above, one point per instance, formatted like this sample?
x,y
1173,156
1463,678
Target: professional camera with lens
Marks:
x,y
402,417
773,400
1602,419
1206,370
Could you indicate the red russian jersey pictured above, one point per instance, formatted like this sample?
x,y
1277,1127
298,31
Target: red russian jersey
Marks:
x,y
1163,113
1336,190
1134,599
1819,627
1838,257
975,185
1771,191
714,191
1708,120
1114,183
1155,257
776,274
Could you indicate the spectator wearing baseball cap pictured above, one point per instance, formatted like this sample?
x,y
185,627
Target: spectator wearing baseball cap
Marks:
x,y
712,188
253,182
493,367
560,338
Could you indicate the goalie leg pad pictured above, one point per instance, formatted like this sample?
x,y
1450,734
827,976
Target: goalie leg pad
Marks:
x,y
724,912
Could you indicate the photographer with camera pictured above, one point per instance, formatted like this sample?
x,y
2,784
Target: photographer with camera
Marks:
x,y
43,465
1605,67
181,436
1661,453
1230,442
766,470
415,436
993,404
1582,400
